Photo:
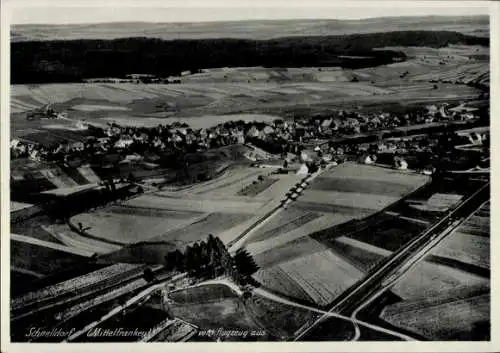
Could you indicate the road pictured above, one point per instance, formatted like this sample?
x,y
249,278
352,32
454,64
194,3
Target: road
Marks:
x,y
277,298
131,302
378,278
240,240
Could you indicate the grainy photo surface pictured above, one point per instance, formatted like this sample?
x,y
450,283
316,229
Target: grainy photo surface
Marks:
x,y
285,175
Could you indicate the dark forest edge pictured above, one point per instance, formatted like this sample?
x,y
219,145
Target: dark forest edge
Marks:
x,y
77,60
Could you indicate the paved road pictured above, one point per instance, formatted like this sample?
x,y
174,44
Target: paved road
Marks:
x,y
349,302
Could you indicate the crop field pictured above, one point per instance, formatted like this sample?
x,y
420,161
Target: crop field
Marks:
x,y
258,188
466,248
362,256
364,186
447,290
228,184
390,234
41,260
439,202
428,280
331,275
285,251
277,238
347,199
217,102
83,306
459,318
294,223
212,307
205,205
213,223
360,187
124,226
74,284
277,280
279,319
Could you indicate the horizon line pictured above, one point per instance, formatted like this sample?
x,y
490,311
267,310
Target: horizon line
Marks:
x,y
252,20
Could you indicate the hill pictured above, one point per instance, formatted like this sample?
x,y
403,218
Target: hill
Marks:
x,y
255,29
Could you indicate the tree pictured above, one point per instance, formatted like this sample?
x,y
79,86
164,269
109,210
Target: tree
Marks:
x,y
148,275
244,262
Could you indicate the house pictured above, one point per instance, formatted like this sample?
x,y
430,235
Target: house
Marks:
x,y
81,125
124,141
303,170
35,155
400,163
268,130
253,132
368,160
79,146
14,143
130,158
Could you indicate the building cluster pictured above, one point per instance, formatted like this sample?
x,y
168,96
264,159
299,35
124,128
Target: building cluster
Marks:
x,y
298,137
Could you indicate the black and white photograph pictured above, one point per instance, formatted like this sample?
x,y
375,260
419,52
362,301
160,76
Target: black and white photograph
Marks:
x,y
247,174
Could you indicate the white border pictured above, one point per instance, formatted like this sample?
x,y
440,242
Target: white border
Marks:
x,y
8,347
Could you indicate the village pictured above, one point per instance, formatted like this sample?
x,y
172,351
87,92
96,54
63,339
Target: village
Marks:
x,y
315,140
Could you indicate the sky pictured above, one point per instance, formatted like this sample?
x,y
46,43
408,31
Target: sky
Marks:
x,y
59,12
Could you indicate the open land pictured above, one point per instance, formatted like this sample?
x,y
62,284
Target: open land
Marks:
x,y
284,249
477,25
453,289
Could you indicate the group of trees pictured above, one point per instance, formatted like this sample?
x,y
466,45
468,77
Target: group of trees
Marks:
x,y
209,259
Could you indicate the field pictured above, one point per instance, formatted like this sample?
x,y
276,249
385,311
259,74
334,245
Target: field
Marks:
x,y
78,283
198,204
214,223
212,307
179,216
360,254
469,246
209,104
258,188
360,187
278,319
41,260
389,234
298,238
460,318
331,276
453,285
253,29
125,225
273,243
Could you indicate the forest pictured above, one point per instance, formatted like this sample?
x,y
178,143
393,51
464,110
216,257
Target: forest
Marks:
x,y
76,60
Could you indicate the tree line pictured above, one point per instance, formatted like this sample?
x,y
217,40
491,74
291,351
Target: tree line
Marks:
x,y
210,259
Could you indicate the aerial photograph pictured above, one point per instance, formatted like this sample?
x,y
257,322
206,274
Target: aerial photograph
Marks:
x,y
222,175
